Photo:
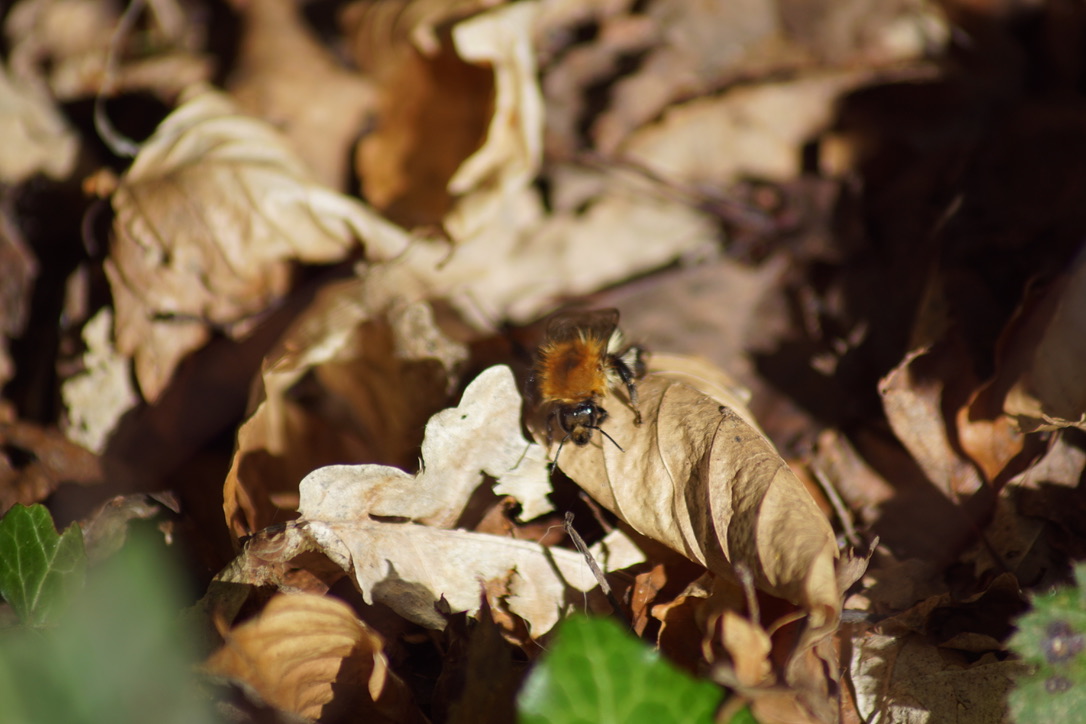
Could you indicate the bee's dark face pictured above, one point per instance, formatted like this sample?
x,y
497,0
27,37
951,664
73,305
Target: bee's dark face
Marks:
x,y
579,420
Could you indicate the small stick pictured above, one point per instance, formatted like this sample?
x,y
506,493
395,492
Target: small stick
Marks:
x,y
578,541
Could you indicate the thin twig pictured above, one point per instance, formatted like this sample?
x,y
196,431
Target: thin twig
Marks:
x,y
118,143
838,508
578,541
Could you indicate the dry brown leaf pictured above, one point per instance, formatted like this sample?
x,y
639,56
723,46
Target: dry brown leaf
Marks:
x,y
626,232
460,126
912,395
1051,392
748,645
750,132
70,37
285,76
433,111
409,567
507,162
694,49
903,678
372,372
308,655
36,138
704,47
20,270
34,461
699,478
66,43
209,218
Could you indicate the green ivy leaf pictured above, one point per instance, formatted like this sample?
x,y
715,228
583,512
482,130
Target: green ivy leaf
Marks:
x,y
596,672
1051,638
39,569
120,655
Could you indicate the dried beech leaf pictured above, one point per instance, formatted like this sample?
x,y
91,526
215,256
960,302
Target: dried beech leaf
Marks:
x,y
35,136
509,159
373,371
700,479
903,678
410,567
757,131
1051,392
303,653
748,645
644,231
208,219
433,110
287,77
912,395
481,435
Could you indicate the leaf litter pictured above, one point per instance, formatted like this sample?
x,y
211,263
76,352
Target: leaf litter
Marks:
x,y
867,454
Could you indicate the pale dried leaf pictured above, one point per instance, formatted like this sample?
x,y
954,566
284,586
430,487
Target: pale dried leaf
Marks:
x,y
643,231
70,37
906,679
208,219
97,397
1051,392
912,395
36,138
510,157
698,478
750,132
287,77
748,645
481,435
410,567
300,647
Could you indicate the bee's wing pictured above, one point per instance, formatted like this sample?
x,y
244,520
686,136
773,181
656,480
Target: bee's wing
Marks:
x,y
596,323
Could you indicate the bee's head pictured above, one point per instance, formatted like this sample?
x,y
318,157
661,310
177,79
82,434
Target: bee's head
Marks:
x,y
579,420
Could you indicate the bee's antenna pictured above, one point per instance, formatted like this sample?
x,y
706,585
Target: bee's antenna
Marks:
x,y
554,463
604,433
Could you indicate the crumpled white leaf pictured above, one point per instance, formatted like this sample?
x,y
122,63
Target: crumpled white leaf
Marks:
x,y
411,567
97,397
209,217
481,435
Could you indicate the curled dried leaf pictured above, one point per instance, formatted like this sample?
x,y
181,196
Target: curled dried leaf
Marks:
x,y
209,217
1051,391
300,647
372,376
699,478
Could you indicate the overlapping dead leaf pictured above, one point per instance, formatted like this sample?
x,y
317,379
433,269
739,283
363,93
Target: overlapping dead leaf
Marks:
x,y
892,267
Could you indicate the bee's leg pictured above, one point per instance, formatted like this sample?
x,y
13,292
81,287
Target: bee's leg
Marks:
x,y
628,379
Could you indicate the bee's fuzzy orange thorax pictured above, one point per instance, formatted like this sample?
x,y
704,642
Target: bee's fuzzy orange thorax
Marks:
x,y
572,369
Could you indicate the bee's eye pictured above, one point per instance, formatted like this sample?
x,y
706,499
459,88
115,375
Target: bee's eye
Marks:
x,y
583,414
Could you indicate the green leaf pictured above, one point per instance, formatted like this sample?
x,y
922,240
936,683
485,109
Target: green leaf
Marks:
x,y
39,569
121,655
1052,639
596,672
